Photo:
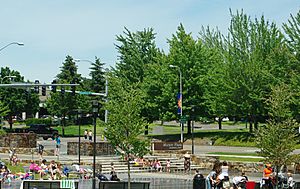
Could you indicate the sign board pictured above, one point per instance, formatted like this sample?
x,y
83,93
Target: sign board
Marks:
x,y
85,93
168,146
183,119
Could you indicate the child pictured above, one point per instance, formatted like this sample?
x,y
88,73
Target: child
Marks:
x,y
168,166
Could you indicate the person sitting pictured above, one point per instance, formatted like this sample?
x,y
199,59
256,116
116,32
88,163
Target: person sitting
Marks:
x,y
114,176
291,182
44,169
33,167
239,181
223,178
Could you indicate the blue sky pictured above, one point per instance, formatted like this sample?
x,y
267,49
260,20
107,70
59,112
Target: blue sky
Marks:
x,y
53,29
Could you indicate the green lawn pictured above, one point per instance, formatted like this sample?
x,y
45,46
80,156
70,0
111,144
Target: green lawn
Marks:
x,y
72,130
232,153
228,137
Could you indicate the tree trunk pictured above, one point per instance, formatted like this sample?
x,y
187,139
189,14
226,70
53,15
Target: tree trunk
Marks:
x,y
162,122
189,127
146,129
255,123
220,123
10,121
63,125
250,124
128,171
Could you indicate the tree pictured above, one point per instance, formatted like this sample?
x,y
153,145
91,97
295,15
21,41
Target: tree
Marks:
x,y
16,100
249,43
126,124
277,139
97,73
216,91
63,104
193,59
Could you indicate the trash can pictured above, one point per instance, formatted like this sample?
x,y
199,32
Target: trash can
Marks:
x,y
250,185
199,182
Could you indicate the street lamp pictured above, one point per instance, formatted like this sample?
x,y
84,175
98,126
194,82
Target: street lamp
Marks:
x,y
180,91
79,115
8,76
106,87
95,113
13,43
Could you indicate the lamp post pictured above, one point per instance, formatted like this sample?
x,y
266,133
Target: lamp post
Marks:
x,y
95,113
13,43
8,76
106,87
79,131
193,126
180,91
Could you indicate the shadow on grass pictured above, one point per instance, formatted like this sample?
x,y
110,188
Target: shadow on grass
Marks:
x,y
223,135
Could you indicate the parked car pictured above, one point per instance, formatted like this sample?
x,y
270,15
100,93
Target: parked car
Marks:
x,y
41,130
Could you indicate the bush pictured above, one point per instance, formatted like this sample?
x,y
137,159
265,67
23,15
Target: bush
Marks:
x,y
2,132
31,121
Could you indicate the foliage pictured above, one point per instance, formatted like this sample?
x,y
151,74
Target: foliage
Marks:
x,y
278,138
30,121
126,124
17,100
97,73
62,104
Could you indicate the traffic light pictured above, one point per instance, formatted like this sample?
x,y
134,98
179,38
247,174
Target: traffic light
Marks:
x,y
62,90
53,88
44,90
36,88
73,89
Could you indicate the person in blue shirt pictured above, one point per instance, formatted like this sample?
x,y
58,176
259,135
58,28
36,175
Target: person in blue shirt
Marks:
x,y
57,141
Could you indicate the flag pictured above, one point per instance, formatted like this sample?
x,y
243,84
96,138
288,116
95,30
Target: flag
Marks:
x,y
179,103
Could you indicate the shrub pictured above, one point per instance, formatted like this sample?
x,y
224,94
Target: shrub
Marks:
x,y
38,121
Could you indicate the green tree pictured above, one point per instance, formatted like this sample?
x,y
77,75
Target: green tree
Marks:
x,y
193,59
249,43
98,76
126,125
216,90
63,104
15,99
277,139
138,57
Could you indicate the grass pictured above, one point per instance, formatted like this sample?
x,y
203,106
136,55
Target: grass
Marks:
x,y
72,130
233,153
228,137
222,158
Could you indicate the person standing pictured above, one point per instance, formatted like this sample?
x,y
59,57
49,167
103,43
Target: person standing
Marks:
x,y
86,134
40,150
90,135
57,147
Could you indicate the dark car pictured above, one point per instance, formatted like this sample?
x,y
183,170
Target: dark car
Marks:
x,y
42,130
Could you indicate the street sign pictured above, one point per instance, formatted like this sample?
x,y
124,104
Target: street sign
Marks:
x,y
85,93
183,119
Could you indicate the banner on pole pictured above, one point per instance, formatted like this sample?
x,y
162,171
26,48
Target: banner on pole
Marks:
x,y
179,103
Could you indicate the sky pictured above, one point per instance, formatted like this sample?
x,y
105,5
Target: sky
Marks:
x,y
53,29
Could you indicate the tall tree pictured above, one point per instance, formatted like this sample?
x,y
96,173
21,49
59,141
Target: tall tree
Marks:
x,y
16,100
98,76
126,125
138,57
216,91
63,104
192,58
249,44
